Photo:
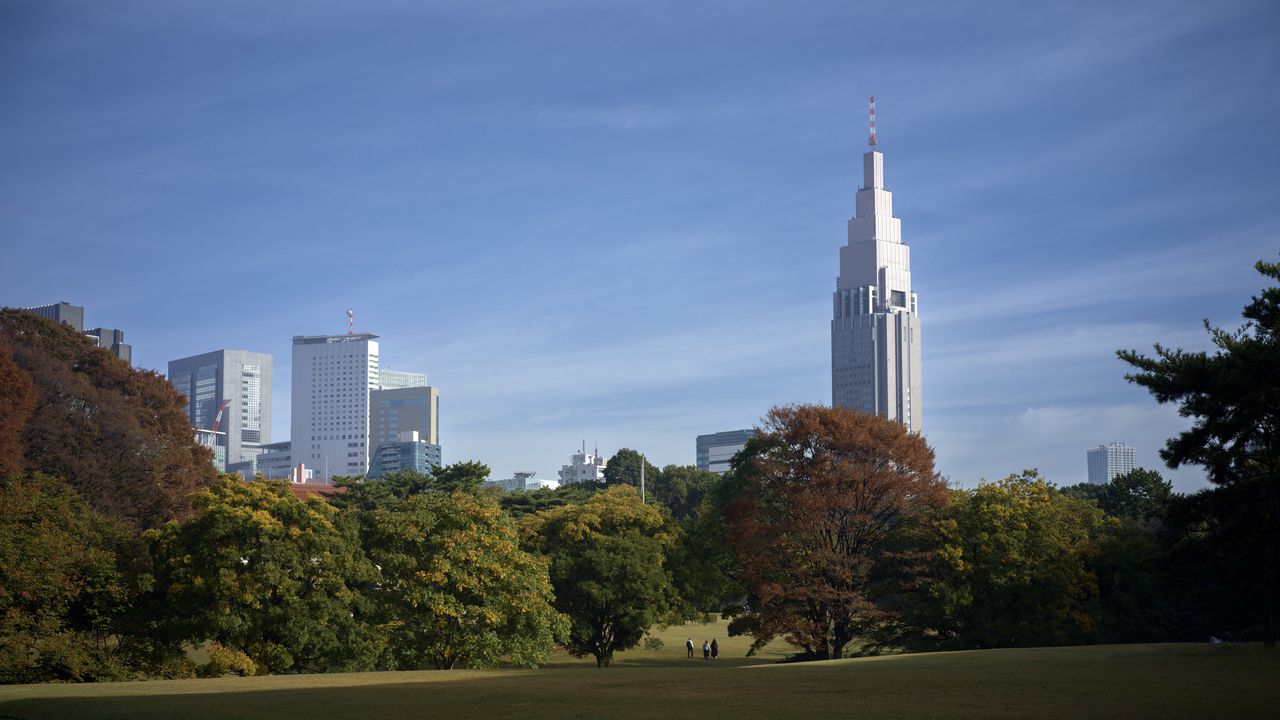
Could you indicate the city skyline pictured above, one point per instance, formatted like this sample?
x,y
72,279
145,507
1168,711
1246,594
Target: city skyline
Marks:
x,y
616,223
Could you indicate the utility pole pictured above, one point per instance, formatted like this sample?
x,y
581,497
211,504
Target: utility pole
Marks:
x,y
643,462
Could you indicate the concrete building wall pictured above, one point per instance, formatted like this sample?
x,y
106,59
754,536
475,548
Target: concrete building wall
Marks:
x,y
875,326
1107,461
407,409
332,378
240,378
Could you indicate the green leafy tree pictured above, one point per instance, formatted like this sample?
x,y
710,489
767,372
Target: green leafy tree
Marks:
x,y
1014,567
624,469
681,489
1141,495
118,436
400,485
814,499
267,577
519,504
608,567
455,588
62,595
1232,396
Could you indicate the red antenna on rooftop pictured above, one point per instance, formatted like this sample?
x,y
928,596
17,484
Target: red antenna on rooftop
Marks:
x,y
872,140
351,322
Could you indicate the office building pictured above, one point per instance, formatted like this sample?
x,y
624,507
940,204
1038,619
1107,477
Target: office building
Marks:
x,y
332,379
714,451
235,383
1108,461
63,312
275,462
875,326
410,451
217,444
73,315
583,467
404,409
113,340
396,379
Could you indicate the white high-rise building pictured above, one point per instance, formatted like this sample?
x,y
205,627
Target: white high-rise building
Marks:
x,y
875,326
332,377
1108,461
583,467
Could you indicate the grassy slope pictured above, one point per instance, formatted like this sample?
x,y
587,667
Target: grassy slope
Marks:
x,y
1165,681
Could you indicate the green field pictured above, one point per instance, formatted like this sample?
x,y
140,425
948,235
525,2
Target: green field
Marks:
x,y
1122,681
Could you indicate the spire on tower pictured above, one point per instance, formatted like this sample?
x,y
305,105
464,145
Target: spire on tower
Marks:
x,y
871,140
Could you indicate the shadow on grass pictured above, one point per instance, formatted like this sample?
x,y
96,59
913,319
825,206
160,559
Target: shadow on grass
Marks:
x,y
1120,682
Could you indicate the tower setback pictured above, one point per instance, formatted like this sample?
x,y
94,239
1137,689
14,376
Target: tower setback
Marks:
x,y
875,326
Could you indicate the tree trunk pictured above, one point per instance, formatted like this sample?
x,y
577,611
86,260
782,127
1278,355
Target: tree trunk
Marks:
x,y
1269,627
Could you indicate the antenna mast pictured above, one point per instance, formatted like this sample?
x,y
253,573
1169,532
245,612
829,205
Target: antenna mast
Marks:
x,y
351,322
872,139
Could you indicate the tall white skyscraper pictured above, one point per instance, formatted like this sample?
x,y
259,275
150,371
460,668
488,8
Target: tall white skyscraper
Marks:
x,y
332,377
875,326
1108,461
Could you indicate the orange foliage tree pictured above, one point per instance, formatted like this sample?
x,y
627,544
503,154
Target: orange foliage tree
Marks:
x,y
117,435
807,511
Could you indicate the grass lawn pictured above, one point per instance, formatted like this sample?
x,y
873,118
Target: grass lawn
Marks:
x,y
1122,681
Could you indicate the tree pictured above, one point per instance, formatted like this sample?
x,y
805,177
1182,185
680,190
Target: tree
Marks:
x,y
394,487
454,586
681,488
624,469
1141,495
61,593
17,402
118,436
1233,398
519,504
607,565
814,498
268,577
1014,567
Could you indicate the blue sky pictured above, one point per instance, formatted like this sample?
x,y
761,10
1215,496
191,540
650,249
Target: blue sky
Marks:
x,y
619,221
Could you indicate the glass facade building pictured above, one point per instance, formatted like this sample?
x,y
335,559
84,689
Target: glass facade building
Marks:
x,y
235,382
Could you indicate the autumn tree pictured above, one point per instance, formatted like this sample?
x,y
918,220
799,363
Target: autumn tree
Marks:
x,y
270,580
17,402
608,567
454,587
1232,396
810,503
118,436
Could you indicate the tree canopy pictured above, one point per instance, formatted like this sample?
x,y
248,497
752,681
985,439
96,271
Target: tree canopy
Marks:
x,y
608,567
270,578
810,503
624,469
1232,396
61,593
454,586
119,436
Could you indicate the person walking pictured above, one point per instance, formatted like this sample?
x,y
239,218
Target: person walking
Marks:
x,y
706,650
688,646
715,649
